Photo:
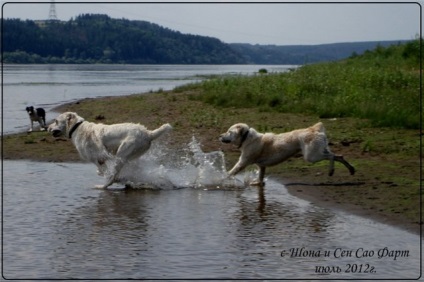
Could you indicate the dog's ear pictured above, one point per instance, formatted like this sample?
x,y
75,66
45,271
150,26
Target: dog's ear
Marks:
x,y
242,129
70,116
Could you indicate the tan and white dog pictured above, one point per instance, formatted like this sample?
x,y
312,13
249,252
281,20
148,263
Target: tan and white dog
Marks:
x,y
99,143
270,149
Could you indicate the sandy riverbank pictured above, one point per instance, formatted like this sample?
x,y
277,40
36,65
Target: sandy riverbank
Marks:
x,y
386,186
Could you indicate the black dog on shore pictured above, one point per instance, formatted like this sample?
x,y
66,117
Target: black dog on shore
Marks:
x,y
39,115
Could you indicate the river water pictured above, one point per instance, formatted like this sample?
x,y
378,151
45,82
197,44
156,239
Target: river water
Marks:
x,y
50,85
186,221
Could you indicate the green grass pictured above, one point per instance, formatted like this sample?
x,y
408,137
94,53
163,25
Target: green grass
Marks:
x,y
382,86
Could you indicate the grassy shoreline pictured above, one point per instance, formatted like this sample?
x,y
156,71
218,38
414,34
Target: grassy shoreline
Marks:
x,y
386,186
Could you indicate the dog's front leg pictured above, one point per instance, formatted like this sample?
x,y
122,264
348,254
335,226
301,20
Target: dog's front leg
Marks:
x,y
239,166
101,167
31,126
114,173
109,182
260,181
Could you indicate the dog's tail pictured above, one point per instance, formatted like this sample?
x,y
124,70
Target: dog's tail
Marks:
x,y
161,130
319,127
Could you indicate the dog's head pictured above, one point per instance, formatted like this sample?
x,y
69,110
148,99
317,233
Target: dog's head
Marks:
x,y
30,110
64,123
236,134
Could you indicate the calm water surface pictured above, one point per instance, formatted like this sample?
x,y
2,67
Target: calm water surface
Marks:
x,y
55,225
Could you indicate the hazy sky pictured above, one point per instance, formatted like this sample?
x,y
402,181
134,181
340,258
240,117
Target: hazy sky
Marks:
x,y
270,23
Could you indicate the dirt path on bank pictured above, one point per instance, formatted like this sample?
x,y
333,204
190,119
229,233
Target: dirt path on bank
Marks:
x,y
386,186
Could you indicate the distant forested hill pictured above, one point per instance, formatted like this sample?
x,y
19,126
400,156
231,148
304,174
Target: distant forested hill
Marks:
x,y
100,39
93,38
305,54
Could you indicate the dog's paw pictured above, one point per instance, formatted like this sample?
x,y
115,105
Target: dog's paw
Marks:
x,y
257,183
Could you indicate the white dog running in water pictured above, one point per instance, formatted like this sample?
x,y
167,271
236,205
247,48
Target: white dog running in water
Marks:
x,y
99,143
270,149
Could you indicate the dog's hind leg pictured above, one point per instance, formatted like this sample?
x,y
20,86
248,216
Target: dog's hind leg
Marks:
x,y
326,154
42,123
315,153
331,169
340,159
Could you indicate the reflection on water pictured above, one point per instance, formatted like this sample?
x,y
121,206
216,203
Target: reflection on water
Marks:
x,y
57,226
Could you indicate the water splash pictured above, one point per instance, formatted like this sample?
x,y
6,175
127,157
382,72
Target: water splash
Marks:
x,y
163,168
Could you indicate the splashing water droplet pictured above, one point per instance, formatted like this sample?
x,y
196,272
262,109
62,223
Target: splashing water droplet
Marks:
x,y
163,168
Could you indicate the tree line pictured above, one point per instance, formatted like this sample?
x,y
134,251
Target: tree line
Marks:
x,y
306,54
93,38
